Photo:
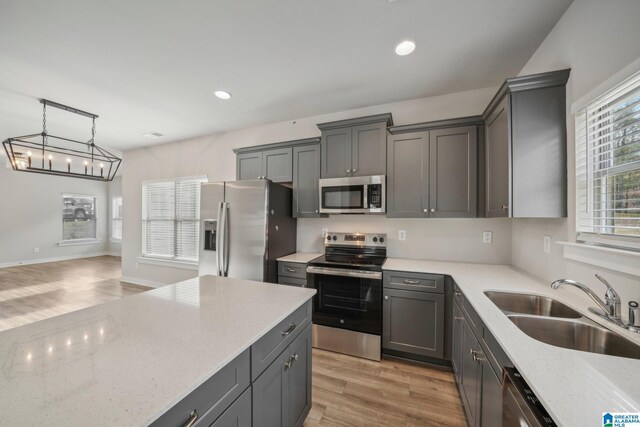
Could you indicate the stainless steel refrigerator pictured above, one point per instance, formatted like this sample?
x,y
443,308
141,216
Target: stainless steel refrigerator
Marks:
x,y
245,226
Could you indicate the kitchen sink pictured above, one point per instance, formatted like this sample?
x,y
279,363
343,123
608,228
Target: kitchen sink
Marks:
x,y
576,335
531,304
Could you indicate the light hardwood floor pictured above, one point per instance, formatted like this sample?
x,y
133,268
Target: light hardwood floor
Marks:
x,y
349,391
35,292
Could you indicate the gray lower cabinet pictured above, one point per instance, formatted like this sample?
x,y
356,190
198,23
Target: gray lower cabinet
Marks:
x,y
456,345
292,273
306,173
282,393
249,166
413,313
491,394
238,414
471,386
433,174
526,147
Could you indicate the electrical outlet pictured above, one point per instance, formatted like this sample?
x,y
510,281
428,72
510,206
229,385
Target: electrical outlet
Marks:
x,y
547,244
36,250
402,234
487,237
324,232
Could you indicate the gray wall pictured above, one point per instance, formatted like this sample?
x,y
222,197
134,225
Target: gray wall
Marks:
x,y
31,216
596,40
212,156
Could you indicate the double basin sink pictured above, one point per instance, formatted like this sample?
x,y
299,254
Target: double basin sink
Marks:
x,y
555,323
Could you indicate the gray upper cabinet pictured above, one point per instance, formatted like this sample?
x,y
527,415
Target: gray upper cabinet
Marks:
x,y
433,173
526,147
306,173
276,164
249,166
453,172
354,147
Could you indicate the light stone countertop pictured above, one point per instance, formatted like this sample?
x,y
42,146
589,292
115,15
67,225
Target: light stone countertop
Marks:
x,y
301,257
575,387
126,362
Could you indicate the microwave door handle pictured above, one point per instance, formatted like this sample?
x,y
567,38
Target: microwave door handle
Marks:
x,y
365,196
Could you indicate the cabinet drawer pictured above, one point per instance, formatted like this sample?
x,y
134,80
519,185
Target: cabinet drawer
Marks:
x,y
213,397
267,348
495,354
292,281
292,269
414,281
472,317
238,414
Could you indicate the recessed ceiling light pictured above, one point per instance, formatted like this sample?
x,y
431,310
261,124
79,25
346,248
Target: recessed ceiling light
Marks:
x,y
222,94
405,47
153,134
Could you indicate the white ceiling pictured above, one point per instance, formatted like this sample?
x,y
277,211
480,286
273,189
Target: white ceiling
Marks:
x,y
154,65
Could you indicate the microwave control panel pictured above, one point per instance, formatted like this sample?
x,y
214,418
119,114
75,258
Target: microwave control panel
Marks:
x,y
375,195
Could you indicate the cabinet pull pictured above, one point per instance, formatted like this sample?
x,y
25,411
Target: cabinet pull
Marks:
x,y
386,297
291,270
505,207
287,364
432,210
411,282
288,331
193,417
348,170
424,210
316,210
458,317
355,170
458,293
476,358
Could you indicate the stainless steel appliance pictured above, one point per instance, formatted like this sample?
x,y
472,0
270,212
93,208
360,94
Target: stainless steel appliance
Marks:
x,y
245,227
358,194
347,309
520,407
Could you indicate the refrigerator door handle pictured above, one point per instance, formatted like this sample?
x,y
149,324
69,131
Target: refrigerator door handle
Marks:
x,y
219,248
225,239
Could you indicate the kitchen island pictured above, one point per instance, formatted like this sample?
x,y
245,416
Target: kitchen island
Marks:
x,y
149,357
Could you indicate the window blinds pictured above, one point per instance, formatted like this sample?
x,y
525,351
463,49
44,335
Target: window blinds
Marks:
x,y
608,167
170,218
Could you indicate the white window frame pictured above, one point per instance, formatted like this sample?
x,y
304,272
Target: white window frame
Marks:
x,y
87,240
157,259
586,173
116,218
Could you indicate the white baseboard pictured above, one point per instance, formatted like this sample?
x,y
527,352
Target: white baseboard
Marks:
x,y
143,282
54,259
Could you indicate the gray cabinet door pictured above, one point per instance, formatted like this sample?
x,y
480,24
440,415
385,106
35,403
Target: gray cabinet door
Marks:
x,y
453,158
238,414
456,346
368,149
497,149
336,153
300,378
471,376
276,164
491,409
413,322
408,175
270,395
306,172
249,166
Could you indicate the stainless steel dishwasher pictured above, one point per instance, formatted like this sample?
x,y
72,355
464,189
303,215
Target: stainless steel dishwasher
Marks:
x,y
520,406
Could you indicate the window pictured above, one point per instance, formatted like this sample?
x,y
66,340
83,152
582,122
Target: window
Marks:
x,y
78,217
608,168
171,218
116,218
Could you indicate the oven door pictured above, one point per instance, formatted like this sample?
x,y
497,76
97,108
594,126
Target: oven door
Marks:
x,y
347,299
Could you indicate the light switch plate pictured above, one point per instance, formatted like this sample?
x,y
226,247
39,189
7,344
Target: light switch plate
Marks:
x,y
487,237
547,244
402,234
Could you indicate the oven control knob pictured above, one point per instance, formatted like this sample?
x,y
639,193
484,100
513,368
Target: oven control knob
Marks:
x,y
375,239
382,240
328,237
335,238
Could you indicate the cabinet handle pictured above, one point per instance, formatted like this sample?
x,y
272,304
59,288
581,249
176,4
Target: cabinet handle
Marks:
x,y
386,297
457,293
424,210
287,364
294,358
505,207
432,210
355,170
411,282
316,210
348,170
288,331
291,270
458,317
193,417
476,358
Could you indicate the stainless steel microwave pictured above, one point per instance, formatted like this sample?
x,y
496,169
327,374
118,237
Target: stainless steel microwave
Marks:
x,y
353,195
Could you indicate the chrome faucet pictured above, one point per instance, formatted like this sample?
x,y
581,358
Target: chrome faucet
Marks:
x,y
609,309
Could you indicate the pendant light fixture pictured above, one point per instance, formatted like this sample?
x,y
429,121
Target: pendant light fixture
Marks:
x,y
55,155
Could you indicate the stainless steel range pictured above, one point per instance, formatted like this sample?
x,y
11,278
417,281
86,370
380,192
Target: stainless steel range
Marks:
x,y
347,309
